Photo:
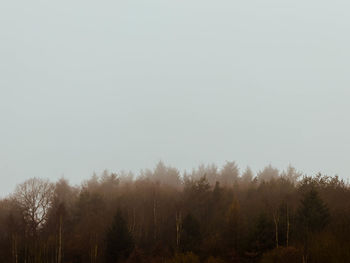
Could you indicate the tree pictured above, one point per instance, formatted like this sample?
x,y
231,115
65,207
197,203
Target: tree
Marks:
x,y
229,174
90,218
313,214
197,196
291,174
268,174
215,222
263,236
166,175
119,242
11,231
34,196
64,197
247,177
191,235
232,225
210,172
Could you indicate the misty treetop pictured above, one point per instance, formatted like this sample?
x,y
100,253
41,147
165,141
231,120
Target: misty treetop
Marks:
x,y
209,215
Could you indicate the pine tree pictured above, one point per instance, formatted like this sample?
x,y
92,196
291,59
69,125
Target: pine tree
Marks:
x,y
231,233
119,242
263,234
191,235
313,214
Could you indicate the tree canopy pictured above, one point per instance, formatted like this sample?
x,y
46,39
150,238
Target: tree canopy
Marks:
x,y
209,215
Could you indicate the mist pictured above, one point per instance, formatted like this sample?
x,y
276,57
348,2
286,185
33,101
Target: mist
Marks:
x,y
211,215
89,86
225,97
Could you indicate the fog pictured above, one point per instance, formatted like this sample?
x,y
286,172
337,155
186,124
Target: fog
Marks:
x,y
119,85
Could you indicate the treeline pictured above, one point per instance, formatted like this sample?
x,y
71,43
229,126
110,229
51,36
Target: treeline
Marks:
x,y
209,215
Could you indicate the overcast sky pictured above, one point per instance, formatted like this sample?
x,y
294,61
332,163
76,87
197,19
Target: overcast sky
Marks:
x,y
119,85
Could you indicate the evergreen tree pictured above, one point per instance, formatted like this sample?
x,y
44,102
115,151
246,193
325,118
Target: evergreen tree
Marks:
x,y
263,237
231,233
191,235
313,214
119,242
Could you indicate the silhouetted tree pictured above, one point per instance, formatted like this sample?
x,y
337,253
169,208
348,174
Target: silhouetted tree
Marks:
x,y
243,221
263,236
119,242
313,214
191,234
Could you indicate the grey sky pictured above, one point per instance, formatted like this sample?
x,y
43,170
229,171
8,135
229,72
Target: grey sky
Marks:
x,y
89,85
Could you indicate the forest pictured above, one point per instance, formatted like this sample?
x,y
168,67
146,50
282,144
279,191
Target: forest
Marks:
x,y
209,215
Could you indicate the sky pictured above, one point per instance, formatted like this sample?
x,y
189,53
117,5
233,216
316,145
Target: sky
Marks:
x,y
119,85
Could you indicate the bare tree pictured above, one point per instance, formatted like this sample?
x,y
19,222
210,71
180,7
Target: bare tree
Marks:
x,y
34,196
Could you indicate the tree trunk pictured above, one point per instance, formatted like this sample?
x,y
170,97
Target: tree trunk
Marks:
x,y
95,253
14,249
178,229
288,227
59,257
155,218
133,220
276,220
